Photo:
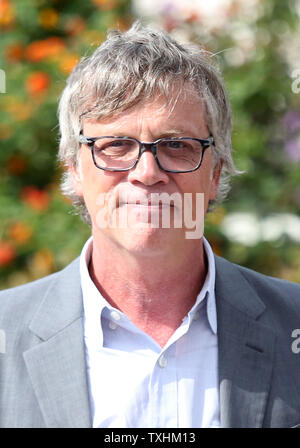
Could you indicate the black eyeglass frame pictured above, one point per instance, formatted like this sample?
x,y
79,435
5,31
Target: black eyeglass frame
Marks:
x,y
149,146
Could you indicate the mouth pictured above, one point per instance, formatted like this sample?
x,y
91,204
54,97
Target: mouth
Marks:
x,y
140,200
148,204
153,200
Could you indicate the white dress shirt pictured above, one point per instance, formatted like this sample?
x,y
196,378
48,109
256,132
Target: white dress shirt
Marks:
x,y
133,381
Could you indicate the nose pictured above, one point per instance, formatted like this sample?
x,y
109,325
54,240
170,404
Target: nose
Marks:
x,y
147,171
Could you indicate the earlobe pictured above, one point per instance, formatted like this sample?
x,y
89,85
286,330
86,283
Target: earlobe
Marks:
x,y
75,174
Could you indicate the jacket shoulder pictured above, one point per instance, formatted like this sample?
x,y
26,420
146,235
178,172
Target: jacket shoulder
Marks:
x,y
274,292
19,301
274,284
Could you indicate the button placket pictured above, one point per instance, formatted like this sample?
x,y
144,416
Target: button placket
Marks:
x,y
163,384
162,361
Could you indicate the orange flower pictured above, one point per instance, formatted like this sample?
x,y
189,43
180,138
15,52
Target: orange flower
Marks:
x,y
36,199
16,165
105,5
68,62
43,49
37,82
42,262
7,253
7,13
14,52
193,17
20,232
48,18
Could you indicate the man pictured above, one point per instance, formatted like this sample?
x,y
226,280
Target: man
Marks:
x,y
148,328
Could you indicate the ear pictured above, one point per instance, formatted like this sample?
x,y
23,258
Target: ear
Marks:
x,y
75,173
215,180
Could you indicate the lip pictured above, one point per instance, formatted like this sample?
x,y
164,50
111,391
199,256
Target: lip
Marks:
x,y
146,204
153,199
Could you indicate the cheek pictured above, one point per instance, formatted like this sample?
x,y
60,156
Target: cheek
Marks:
x,y
197,182
201,182
93,179
97,183
94,184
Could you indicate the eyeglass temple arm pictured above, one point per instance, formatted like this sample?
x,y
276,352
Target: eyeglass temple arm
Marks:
x,y
85,140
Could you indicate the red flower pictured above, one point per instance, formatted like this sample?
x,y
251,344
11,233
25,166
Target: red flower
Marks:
x,y
7,253
7,13
43,49
37,82
36,199
105,5
20,232
17,165
14,52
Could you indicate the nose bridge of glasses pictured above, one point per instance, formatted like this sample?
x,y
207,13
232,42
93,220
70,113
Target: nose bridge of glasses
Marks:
x,y
148,146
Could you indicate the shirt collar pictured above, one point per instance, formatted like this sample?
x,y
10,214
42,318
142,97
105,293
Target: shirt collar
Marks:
x,y
94,303
208,288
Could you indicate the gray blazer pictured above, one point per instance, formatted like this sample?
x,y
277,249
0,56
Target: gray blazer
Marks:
x,y
43,379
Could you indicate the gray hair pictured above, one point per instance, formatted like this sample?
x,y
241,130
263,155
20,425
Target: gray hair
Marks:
x,y
131,67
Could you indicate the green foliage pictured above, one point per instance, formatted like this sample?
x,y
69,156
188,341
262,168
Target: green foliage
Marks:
x,y
40,43
41,40
266,133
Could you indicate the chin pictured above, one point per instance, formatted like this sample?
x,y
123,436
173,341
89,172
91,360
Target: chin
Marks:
x,y
146,241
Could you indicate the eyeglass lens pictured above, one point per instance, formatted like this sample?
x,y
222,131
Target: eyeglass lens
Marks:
x,y
172,154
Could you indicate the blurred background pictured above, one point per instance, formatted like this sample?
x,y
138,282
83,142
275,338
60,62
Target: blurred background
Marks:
x,y
257,45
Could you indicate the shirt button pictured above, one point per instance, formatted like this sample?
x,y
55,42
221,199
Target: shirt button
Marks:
x,y
115,315
112,325
162,361
196,315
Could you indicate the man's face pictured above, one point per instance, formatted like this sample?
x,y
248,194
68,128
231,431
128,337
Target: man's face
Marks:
x,y
146,122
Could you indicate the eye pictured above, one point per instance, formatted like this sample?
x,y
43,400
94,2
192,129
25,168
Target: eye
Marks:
x,y
175,144
117,143
172,145
106,144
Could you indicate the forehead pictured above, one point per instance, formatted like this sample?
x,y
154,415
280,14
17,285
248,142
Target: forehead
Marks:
x,y
183,112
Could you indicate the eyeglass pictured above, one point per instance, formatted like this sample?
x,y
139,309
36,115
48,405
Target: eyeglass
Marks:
x,y
173,155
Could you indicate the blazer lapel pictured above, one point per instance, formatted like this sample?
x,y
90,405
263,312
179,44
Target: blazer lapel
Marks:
x,y
56,365
246,350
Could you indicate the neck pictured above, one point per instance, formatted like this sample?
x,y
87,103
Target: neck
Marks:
x,y
154,292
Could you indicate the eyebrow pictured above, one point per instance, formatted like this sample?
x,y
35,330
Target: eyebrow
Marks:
x,y
173,133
